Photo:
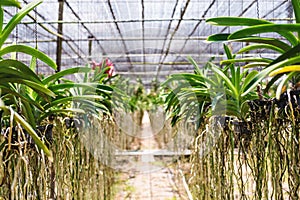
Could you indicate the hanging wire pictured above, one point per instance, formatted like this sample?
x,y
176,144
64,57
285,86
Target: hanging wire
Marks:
x,y
36,39
78,29
229,13
257,8
218,28
143,34
211,32
198,34
258,16
290,12
17,35
259,51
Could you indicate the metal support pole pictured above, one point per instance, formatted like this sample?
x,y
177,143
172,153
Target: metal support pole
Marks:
x,y
59,31
90,38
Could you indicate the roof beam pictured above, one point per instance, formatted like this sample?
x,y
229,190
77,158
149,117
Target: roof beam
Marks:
x,y
119,31
35,21
85,27
196,26
173,34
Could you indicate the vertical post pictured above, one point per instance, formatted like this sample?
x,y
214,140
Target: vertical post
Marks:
x,y
59,31
90,44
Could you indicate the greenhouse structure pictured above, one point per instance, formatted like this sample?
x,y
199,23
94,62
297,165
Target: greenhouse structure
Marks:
x,y
149,99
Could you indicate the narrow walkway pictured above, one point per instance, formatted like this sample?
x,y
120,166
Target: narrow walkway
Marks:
x,y
150,180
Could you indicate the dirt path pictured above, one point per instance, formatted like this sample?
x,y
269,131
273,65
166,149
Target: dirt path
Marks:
x,y
149,179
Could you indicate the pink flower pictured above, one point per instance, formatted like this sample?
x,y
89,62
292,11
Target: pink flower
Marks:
x,y
111,71
108,63
111,67
95,65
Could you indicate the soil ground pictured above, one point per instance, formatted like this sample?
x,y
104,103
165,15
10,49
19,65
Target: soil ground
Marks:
x,y
148,178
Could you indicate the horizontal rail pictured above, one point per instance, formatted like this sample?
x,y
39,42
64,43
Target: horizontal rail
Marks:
x,y
133,20
154,153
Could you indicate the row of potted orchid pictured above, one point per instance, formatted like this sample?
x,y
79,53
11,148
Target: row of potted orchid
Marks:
x,y
242,78
41,115
245,111
29,101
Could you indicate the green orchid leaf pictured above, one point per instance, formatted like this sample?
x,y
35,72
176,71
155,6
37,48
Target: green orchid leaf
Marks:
x,y
283,29
33,134
28,128
244,74
17,19
288,54
250,39
25,71
232,107
260,46
215,101
172,99
192,79
191,93
228,51
261,40
68,99
9,90
95,106
230,61
65,72
60,111
255,64
287,62
229,55
99,78
226,81
30,51
256,80
39,88
32,65
272,82
237,78
13,3
265,72
27,111
296,6
235,21
6,72
283,82
104,88
200,93
221,37
285,69
249,78
193,62
1,19
92,86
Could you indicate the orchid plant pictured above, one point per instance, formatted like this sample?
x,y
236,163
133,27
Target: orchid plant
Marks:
x,y
18,79
27,99
285,66
211,90
107,64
